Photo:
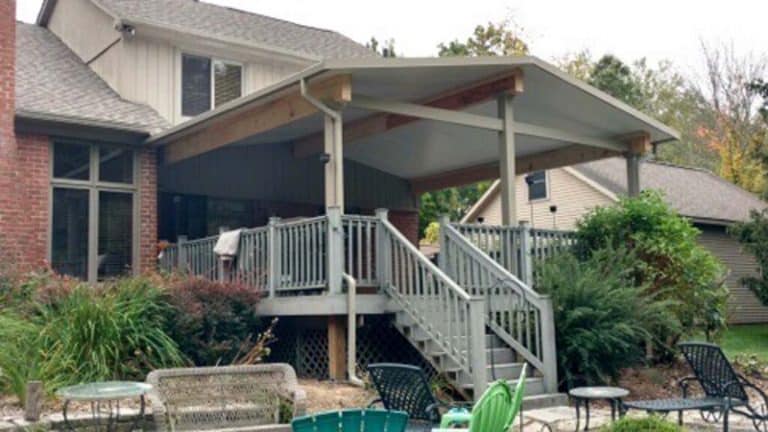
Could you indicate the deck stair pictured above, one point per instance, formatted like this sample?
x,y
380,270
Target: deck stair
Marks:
x,y
470,318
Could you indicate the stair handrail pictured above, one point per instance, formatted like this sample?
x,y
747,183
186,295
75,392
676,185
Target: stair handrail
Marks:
x,y
500,287
451,317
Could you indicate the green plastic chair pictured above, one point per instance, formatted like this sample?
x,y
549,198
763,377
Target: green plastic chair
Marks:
x,y
498,407
352,420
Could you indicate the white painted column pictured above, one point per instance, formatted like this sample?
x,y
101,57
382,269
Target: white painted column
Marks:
x,y
334,168
507,161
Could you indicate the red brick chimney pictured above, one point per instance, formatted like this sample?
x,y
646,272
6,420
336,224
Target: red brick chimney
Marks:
x,y
7,67
7,113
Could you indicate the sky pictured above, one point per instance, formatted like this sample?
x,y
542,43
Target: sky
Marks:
x,y
655,29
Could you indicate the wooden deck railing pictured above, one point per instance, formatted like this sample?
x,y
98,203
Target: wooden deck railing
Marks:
x,y
517,314
449,315
517,249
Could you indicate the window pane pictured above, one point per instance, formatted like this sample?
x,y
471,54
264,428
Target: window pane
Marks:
x,y
115,234
195,85
228,82
537,185
71,161
115,164
69,240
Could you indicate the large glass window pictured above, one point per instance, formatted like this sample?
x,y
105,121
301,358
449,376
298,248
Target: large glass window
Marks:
x,y
537,185
100,202
69,233
207,83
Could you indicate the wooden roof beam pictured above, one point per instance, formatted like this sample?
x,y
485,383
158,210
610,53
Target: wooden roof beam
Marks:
x,y
455,99
253,120
490,171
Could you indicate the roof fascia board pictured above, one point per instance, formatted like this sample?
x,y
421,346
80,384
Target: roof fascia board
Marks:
x,y
482,203
591,183
51,125
181,35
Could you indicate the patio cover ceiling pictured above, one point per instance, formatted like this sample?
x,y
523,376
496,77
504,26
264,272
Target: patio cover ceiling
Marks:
x,y
576,119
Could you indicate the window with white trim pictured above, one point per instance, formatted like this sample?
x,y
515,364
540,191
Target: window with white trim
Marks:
x,y
93,207
537,185
207,83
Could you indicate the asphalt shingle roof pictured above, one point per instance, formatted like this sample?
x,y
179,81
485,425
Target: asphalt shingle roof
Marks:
x,y
693,192
52,80
218,21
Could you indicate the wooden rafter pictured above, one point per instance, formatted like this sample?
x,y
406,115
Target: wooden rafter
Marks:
x,y
547,160
456,99
257,119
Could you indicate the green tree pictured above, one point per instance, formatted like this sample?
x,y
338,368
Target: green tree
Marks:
x,y
669,259
753,236
385,49
454,202
760,87
616,78
492,39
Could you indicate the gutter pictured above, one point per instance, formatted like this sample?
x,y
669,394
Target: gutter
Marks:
x,y
58,125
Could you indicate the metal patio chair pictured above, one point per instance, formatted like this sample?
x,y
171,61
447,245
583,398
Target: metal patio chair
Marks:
x,y
724,390
405,387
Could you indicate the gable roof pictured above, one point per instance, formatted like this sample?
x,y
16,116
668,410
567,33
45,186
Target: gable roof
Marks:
x,y
219,22
693,192
53,83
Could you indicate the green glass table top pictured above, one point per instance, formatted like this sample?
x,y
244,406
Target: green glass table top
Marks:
x,y
107,390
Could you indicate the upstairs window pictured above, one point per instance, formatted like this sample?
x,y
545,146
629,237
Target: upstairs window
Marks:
x,y
537,185
207,83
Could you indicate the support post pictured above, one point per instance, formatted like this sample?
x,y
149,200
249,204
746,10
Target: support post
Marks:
x,y
334,167
477,346
633,174
639,146
383,253
335,250
442,256
526,254
507,161
549,344
337,348
183,265
273,256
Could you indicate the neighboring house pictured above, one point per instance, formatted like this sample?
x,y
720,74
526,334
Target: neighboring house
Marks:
x,y
710,202
124,123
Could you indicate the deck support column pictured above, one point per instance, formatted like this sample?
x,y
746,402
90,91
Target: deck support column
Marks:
x,y
507,161
337,348
334,166
638,146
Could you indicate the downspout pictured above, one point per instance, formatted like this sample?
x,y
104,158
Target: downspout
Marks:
x,y
337,137
352,330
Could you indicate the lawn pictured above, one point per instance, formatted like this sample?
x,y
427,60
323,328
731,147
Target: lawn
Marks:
x,y
751,338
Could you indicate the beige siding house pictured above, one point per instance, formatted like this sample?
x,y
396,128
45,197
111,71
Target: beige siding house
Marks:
x,y
570,192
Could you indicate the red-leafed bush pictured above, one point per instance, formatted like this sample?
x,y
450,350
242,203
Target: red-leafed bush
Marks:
x,y
213,322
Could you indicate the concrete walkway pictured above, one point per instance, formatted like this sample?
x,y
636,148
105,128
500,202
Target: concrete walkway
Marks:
x,y
563,418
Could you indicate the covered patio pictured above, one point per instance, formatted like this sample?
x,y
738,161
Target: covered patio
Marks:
x,y
329,149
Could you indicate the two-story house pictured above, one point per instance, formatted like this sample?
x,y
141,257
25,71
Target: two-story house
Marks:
x,y
125,122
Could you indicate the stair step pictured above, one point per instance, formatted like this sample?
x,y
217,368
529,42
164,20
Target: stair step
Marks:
x,y
506,371
533,386
419,335
500,355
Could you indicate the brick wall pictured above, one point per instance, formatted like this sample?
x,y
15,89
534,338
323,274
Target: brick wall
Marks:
x,y
32,183
147,210
407,222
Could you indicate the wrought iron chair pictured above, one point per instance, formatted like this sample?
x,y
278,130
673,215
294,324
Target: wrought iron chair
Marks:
x,y
724,390
353,420
405,388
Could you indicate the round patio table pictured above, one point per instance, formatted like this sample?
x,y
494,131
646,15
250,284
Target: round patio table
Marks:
x,y
105,398
587,394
